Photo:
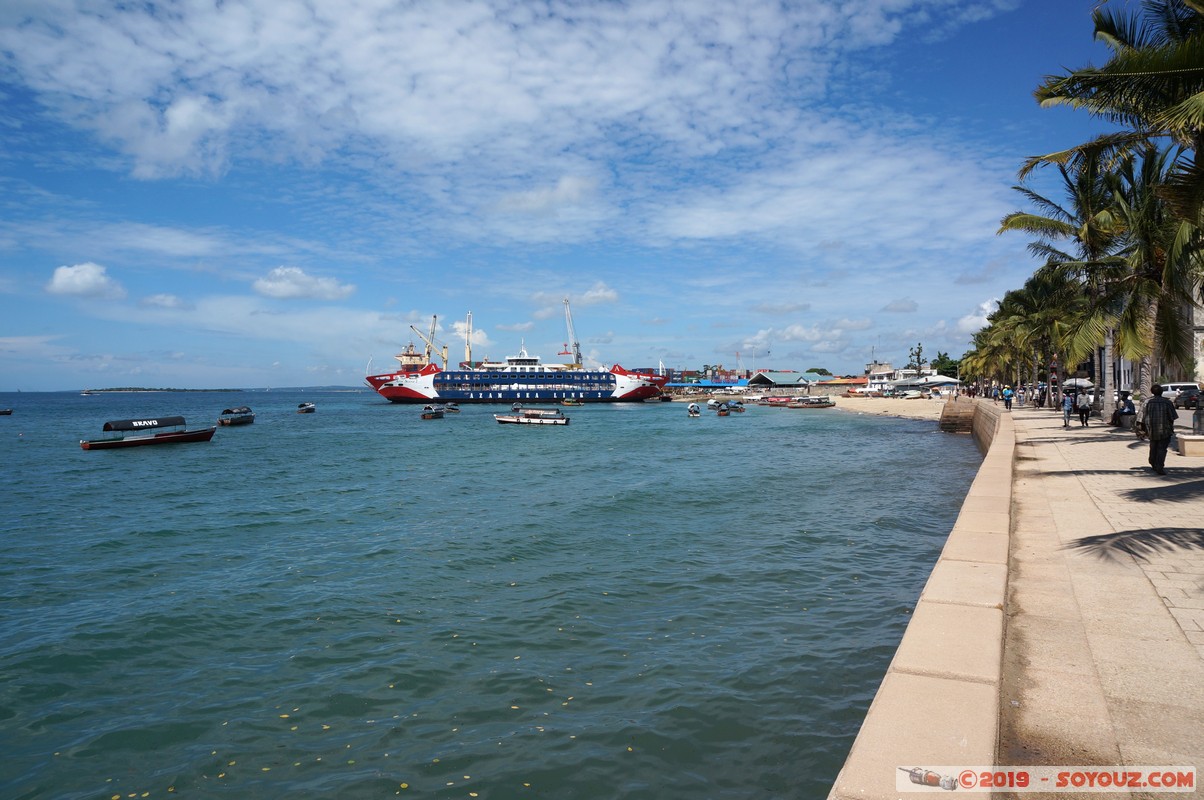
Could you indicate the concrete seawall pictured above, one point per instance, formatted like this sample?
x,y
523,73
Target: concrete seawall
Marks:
x,y
940,694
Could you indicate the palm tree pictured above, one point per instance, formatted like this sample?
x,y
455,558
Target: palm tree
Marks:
x,y
1164,256
1152,85
1088,221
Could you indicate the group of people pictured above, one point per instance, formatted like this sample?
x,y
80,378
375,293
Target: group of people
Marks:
x,y
1157,421
1072,402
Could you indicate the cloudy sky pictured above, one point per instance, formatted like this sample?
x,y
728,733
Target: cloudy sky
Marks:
x,y
253,193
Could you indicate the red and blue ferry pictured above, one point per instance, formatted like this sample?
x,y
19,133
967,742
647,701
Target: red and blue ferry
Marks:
x,y
519,379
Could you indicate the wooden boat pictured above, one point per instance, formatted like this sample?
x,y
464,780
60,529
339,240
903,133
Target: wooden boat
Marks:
x,y
432,412
306,408
532,416
146,432
822,401
239,415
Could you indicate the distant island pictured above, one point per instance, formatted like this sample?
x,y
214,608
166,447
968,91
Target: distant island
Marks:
x,y
144,389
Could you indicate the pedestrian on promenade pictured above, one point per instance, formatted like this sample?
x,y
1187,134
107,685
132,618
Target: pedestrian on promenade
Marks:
x,y
1007,398
1159,417
1083,404
1067,407
1125,409
1020,396
995,395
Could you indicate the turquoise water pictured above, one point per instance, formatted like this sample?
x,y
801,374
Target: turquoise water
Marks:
x,y
637,605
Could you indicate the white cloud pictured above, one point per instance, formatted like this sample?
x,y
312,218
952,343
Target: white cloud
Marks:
x,y
977,320
292,282
494,82
84,280
568,191
598,293
168,301
903,305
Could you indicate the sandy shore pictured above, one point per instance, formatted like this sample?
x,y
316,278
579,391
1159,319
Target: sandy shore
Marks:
x,y
892,407
884,406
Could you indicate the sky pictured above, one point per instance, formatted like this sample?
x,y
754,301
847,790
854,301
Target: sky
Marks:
x,y
250,193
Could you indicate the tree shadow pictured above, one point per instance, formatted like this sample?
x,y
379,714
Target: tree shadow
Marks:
x,y
1140,544
1167,492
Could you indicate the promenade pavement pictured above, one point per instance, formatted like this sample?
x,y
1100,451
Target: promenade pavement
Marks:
x,y
1104,643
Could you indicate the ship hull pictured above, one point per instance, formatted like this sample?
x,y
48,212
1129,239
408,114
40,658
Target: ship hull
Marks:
x,y
472,386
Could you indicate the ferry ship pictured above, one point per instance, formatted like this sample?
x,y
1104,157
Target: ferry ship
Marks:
x,y
521,378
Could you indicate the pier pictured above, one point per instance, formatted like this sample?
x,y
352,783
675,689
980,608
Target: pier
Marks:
x,y
1064,621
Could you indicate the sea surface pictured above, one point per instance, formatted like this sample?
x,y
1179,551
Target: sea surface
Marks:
x,y
358,603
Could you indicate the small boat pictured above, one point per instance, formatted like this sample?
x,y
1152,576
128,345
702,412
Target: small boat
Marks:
x,y
532,416
569,401
821,401
693,410
735,405
239,415
6,412
451,408
306,408
722,410
147,433
432,412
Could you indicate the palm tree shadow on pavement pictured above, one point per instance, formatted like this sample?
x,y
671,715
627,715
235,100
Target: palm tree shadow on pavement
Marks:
x,y
1140,544
1182,492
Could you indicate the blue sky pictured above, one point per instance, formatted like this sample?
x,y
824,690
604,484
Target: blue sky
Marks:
x,y
257,193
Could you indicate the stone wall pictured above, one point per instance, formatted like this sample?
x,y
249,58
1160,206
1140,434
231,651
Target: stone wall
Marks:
x,y
938,704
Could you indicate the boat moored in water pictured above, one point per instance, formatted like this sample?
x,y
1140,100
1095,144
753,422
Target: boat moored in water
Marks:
x,y
693,410
146,432
432,412
239,415
306,408
532,416
820,401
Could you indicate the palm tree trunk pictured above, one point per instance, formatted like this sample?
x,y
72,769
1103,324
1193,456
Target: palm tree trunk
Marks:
x,y
1106,379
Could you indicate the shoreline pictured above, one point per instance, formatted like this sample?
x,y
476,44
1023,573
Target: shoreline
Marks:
x,y
920,408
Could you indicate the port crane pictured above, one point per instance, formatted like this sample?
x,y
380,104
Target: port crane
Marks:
x,y
576,345
431,345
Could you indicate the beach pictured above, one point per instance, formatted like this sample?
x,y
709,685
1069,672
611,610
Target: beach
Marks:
x,y
892,407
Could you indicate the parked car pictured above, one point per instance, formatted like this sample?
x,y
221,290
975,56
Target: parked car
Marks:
x,y
1171,390
1188,397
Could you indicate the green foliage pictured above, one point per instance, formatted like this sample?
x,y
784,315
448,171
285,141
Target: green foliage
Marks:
x,y
820,371
944,365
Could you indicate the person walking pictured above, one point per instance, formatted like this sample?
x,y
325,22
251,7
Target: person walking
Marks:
x,y
1083,404
1159,416
1007,398
1067,407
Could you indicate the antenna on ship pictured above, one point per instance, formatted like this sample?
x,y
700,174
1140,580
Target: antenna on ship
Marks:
x,y
568,319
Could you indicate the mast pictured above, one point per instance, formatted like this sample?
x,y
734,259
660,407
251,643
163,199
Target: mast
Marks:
x,y
576,345
468,342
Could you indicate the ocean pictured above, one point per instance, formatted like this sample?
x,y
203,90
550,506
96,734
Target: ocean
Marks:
x,y
358,603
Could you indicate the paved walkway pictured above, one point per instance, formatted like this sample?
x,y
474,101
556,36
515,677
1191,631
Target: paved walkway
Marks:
x,y
1104,648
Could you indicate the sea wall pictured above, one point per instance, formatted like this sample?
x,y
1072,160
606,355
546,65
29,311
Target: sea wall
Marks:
x,y
938,704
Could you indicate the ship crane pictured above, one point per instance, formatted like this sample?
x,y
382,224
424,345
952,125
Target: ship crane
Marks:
x,y
431,346
576,345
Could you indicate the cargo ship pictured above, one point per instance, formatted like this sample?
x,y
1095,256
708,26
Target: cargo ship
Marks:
x,y
521,378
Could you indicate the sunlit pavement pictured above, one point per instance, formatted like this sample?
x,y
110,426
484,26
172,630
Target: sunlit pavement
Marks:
x,y
1104,649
